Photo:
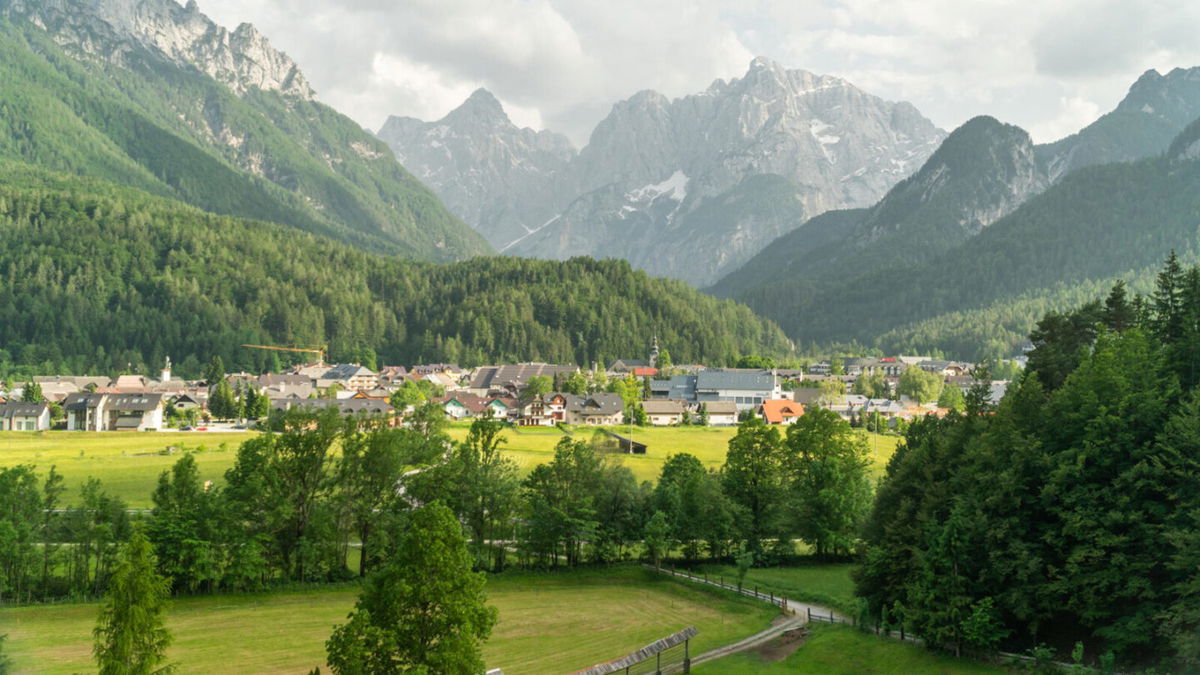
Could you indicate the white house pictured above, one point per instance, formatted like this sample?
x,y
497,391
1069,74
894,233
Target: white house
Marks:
x,y
113,412
20,416
663,413
722,413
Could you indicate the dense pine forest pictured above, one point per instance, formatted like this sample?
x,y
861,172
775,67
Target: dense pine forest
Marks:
x,y
1069,515
100,278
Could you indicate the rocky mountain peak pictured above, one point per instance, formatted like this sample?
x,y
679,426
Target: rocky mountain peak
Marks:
x,y
980,173
692,172
242,59
481,109
1170,95
500,178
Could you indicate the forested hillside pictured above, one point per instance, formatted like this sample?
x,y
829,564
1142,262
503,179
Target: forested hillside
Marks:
x,y
119,111
1070,515
95,277
982,296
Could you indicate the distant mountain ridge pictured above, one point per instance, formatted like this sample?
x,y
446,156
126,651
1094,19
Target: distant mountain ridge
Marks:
x,y
154,95
486,169
686,188
1143,124
980,173
902,271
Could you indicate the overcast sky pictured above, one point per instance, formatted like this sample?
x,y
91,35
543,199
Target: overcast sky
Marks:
x,y
1050,66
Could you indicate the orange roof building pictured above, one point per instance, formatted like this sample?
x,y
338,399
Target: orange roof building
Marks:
x,y
780,411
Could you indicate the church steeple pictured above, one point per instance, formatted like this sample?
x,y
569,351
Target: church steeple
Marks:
x,y
654,353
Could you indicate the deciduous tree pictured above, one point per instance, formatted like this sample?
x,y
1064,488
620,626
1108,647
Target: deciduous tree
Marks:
x,y
425,612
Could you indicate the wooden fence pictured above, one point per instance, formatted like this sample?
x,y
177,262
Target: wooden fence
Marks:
x,y
653,650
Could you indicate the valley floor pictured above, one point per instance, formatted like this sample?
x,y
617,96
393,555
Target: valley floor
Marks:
x,y
549,623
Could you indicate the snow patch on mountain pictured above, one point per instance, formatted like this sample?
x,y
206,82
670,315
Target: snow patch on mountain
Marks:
x,y
675,186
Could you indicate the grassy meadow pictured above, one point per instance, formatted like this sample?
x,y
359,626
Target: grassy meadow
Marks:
x,y
842,650
827,584
128,463
549,623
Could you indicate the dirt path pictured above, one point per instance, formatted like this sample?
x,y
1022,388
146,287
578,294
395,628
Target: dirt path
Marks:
x,y
794,616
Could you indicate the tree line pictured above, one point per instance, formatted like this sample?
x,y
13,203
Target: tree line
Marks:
x,y
1069,515
325,499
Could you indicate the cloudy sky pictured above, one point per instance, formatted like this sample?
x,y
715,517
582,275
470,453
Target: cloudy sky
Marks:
x,y
1050,66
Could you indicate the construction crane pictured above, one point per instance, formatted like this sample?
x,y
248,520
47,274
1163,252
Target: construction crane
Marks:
x,y
318,350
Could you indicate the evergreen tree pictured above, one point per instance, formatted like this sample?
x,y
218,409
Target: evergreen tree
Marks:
x,y
222,402
1168,301
32,393
215,372
131,638
952,398
1119,313
424,612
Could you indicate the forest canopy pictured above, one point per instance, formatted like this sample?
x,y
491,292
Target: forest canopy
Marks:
x,y
100,278
1070,514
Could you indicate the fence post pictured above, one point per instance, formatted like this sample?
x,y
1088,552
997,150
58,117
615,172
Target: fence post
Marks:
x,y
687,657
809,614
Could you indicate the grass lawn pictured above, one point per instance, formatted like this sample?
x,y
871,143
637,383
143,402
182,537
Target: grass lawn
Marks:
x,y
837,650
827,584
549,623
126,462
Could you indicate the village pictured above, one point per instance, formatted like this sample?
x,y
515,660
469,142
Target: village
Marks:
x,y
627,391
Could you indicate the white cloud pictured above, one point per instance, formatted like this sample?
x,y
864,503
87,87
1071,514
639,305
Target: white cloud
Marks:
x,y
1075,113
1049,66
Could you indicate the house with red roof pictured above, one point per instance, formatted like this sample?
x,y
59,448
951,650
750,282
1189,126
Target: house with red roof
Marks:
x,y
780,411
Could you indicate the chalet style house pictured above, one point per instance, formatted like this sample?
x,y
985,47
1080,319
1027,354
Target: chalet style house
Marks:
x,y
113,412
20,416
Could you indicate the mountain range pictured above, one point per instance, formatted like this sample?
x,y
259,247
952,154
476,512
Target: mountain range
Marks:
x,y
885,275
169,187
843,218
688,188
154,95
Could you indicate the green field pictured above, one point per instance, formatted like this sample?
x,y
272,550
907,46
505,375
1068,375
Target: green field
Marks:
x,y
531,446
822,584
842,650
128,463
549,623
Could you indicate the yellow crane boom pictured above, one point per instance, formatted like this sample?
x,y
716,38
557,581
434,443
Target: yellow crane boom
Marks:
x,y
319,350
